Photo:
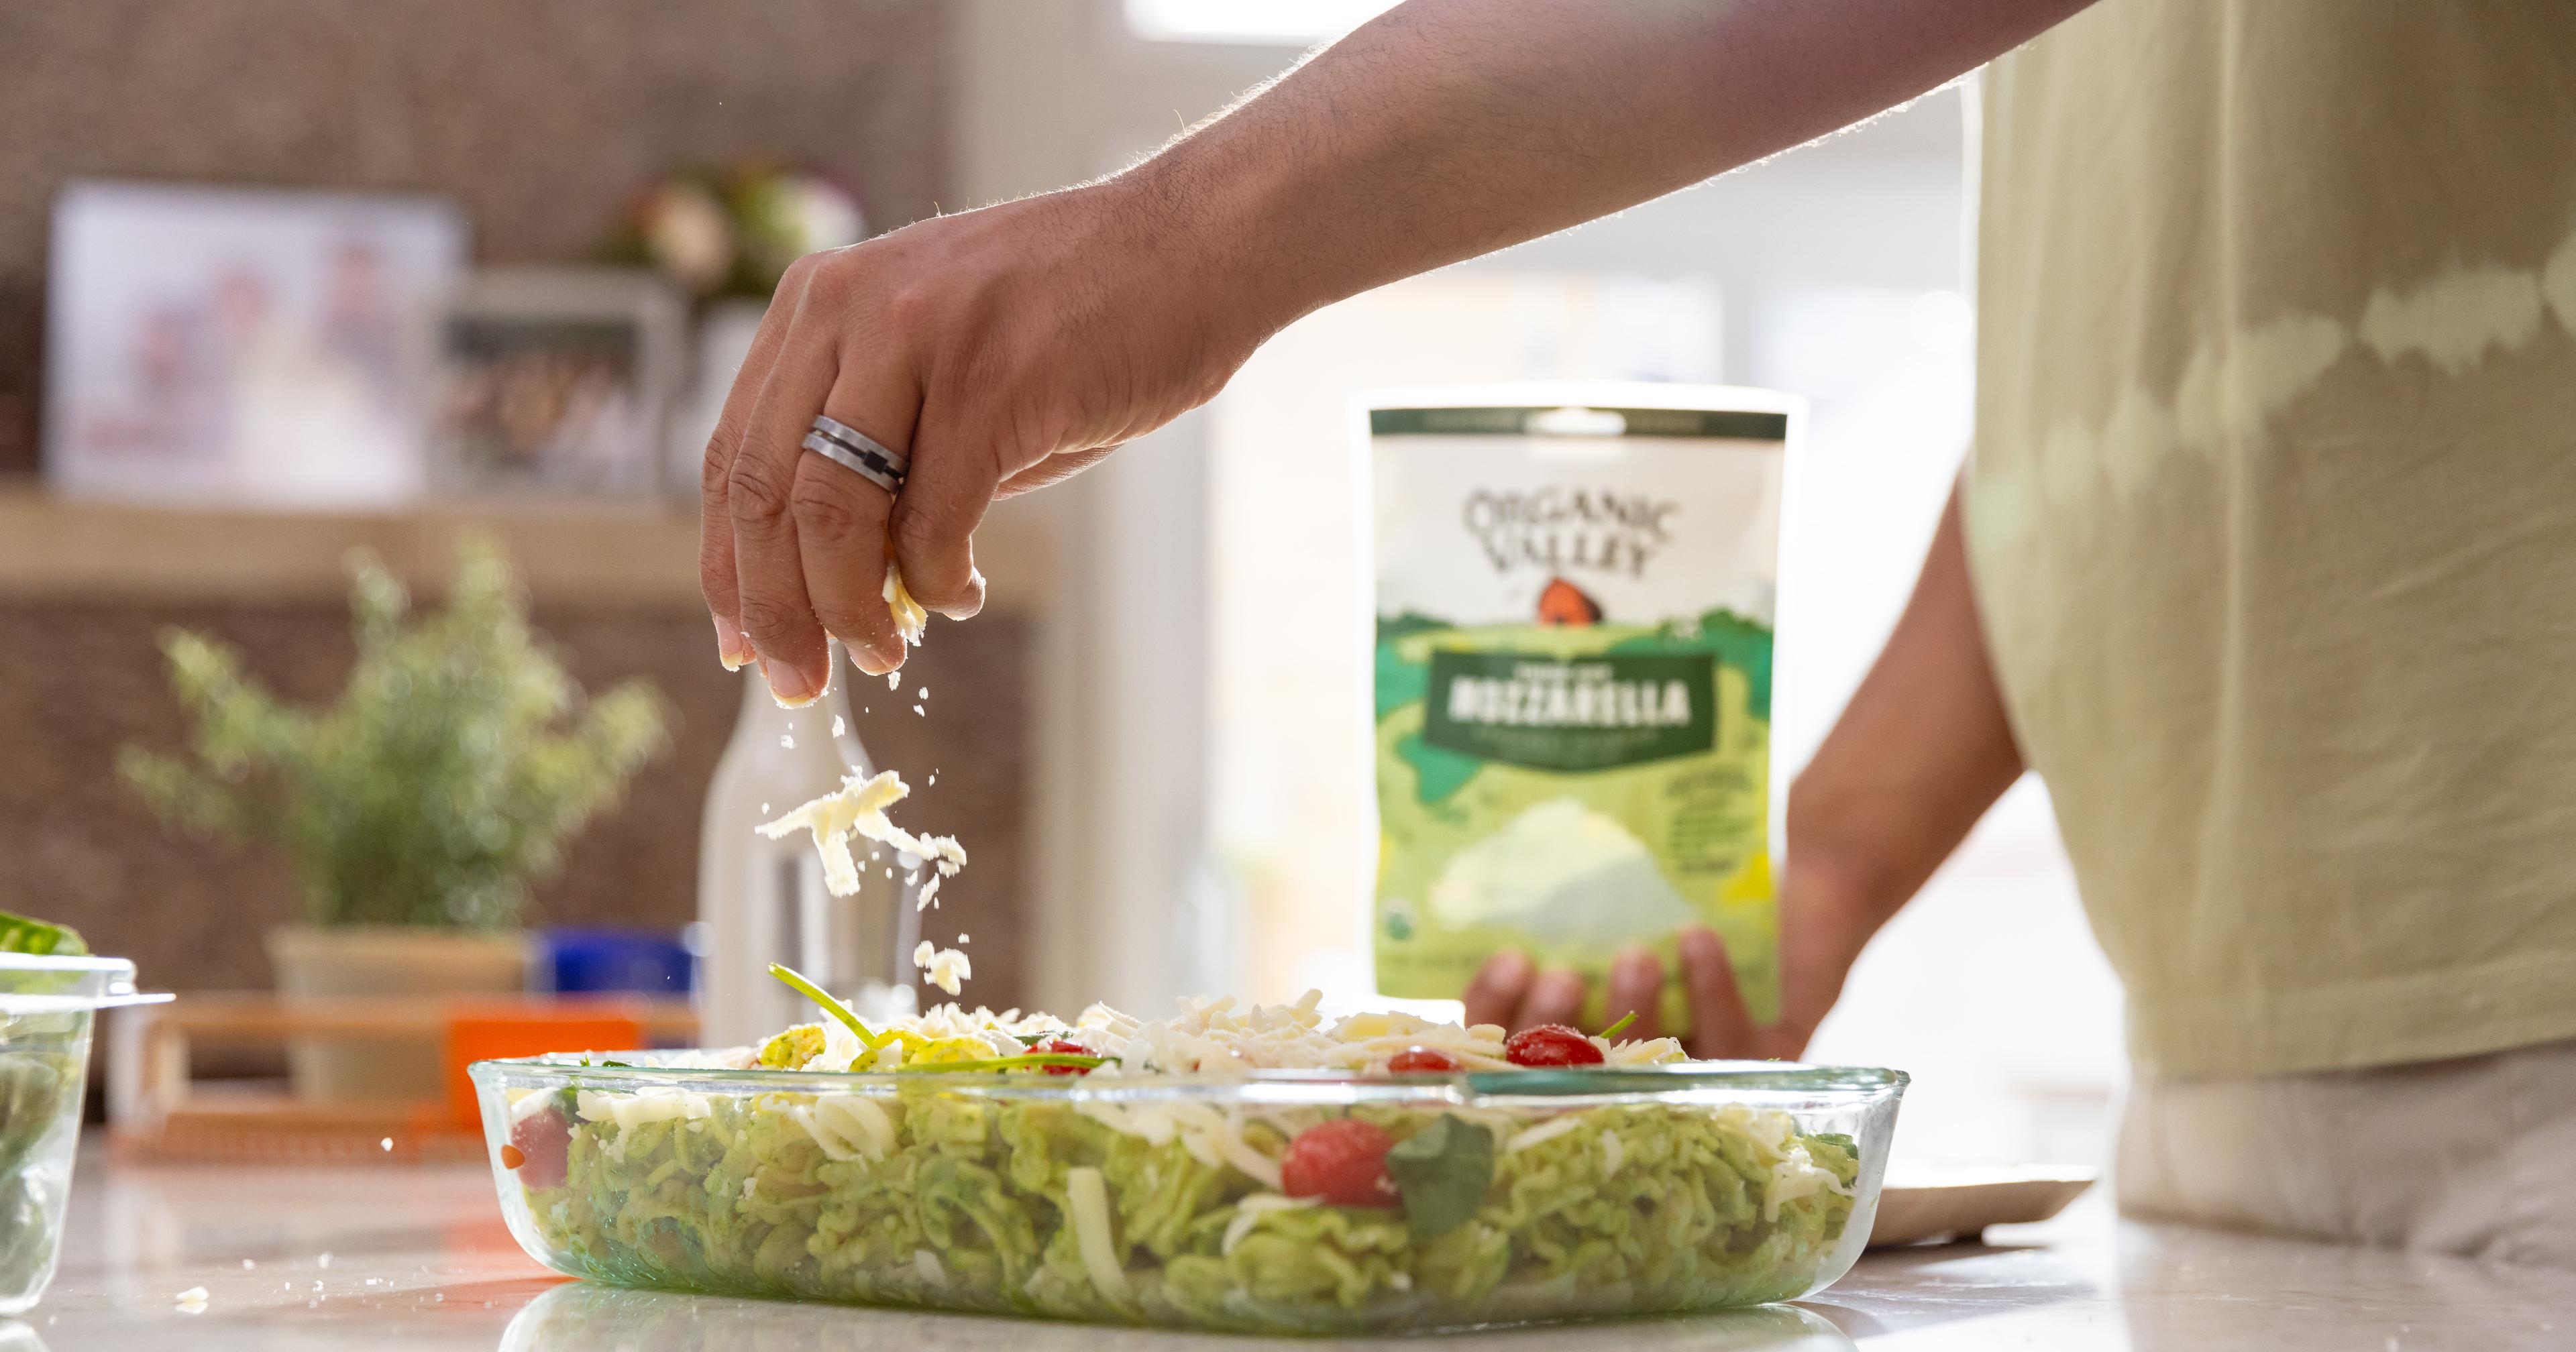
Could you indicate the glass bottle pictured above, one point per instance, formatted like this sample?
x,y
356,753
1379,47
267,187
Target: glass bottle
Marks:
x,y
763,901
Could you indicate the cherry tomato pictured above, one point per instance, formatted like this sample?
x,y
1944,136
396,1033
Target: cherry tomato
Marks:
x,y
1421,1061
1342,1161
1551,1044
540,1141
1060,1047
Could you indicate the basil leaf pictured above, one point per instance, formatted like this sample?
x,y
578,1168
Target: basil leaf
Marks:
x,y
1442,1174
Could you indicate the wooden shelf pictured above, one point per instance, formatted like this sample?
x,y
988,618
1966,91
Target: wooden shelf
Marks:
x,y
635,554
640,555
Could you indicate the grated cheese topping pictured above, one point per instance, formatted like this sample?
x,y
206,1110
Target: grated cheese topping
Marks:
x,y
1206,1037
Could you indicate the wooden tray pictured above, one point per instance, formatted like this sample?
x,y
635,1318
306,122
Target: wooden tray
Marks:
x,y
157,1111
1923,1201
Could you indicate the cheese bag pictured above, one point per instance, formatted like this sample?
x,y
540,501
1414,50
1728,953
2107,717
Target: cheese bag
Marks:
x,y
1573,678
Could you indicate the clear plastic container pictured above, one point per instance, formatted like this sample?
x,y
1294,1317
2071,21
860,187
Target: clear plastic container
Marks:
x,y
1149,1199
47,1008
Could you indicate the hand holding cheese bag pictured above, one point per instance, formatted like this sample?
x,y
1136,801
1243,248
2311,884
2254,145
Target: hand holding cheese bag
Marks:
x,y
1575,594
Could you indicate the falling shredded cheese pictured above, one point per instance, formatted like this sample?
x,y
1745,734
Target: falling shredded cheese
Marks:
x,y
946,968
858,807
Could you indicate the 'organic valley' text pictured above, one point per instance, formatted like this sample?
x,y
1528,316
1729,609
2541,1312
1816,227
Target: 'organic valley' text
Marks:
x,y
1558,530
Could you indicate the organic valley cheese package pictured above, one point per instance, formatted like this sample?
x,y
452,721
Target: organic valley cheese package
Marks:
x,y
1573,677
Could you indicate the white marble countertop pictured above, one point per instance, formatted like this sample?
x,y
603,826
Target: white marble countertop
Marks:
x,y
416,1257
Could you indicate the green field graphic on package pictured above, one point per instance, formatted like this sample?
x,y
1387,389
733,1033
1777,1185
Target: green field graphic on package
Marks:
x,y
1571,790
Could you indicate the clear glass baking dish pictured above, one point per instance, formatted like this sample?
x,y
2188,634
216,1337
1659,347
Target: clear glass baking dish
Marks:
x,y
1152,1199
48,1006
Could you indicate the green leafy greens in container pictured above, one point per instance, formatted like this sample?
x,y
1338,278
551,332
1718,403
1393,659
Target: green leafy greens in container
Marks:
x,y
1208,1171
44,1057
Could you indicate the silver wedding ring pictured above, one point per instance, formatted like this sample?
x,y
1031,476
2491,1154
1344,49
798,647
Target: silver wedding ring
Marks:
x,y
856,452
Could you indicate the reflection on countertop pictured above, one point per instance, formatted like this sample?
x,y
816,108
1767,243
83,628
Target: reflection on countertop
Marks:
x,y
344,1257
582,1316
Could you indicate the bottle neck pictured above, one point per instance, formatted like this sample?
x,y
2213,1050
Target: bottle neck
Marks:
x,y
826,719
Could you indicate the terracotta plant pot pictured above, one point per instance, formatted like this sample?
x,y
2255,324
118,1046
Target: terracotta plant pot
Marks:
x,y
385,960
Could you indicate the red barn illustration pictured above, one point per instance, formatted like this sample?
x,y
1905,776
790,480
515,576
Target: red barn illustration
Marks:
x,y
1563,604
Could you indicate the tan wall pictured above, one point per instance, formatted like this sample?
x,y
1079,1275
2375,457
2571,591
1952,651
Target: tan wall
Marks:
x,y
77,680
542,118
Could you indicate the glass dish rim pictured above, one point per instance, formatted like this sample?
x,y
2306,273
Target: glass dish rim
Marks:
x,y
66,962
1849,1085
33,984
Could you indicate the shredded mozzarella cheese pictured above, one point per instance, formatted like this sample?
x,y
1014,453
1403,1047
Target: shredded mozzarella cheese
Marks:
x,y
910,619
1209,1037
1249,1211
1544,1131
640,1108
1087,1197
858,808
945,968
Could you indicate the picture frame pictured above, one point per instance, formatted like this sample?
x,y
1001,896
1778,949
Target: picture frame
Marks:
x,y
238,346
551,382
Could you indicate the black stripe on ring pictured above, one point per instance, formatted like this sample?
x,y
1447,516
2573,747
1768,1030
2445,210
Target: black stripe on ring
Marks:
x,y
869,467
867,451
852,439
874,458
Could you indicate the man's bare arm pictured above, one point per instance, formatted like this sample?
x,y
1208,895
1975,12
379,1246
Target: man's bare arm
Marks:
x,y
1006,348
1450,128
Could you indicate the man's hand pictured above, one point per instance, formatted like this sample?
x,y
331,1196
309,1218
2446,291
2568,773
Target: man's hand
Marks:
x,y
1916,758
1509,991
1001,349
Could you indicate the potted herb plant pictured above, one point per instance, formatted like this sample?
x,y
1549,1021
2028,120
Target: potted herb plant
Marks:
x,y
416,810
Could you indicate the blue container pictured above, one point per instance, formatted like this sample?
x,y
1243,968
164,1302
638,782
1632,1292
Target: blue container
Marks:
x,y
595,961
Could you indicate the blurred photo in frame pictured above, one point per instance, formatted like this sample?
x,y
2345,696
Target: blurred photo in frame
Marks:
x,y
242,346
551,382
